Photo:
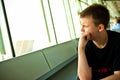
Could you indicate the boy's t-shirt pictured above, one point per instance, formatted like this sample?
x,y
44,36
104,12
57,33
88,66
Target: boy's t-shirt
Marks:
x,y
106,60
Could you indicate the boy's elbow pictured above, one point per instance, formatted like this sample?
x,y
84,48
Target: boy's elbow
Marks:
x,y
84,77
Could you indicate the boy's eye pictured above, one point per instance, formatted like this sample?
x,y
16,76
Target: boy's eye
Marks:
x,y
85,26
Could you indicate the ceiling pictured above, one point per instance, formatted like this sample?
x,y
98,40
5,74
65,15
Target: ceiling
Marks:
x,y
113,6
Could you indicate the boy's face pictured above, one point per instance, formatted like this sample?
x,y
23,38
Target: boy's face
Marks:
x,y
88,27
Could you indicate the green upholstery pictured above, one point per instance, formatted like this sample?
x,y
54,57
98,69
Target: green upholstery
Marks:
x,y
60,53
27,67
39,64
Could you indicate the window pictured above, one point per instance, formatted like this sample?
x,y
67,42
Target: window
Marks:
x,y
36,24
60,20
6,51
31,25
75,9
27,25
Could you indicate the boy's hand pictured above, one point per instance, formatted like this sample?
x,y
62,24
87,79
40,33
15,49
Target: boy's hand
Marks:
x,y
84,38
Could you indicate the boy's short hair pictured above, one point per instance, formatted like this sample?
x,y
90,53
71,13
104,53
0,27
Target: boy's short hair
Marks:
x,y
98,12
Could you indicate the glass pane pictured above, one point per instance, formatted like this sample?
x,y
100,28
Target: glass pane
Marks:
x,y
60,20
5,48
27,25
94,1
83,5
75,8
89,2
69,19
49,22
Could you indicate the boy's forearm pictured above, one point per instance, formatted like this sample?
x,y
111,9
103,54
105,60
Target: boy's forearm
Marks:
x,y
115,76
84,71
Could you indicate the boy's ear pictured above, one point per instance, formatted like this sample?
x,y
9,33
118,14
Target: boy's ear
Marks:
x,y
101,27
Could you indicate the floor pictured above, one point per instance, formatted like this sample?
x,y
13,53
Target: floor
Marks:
x,y
69,72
